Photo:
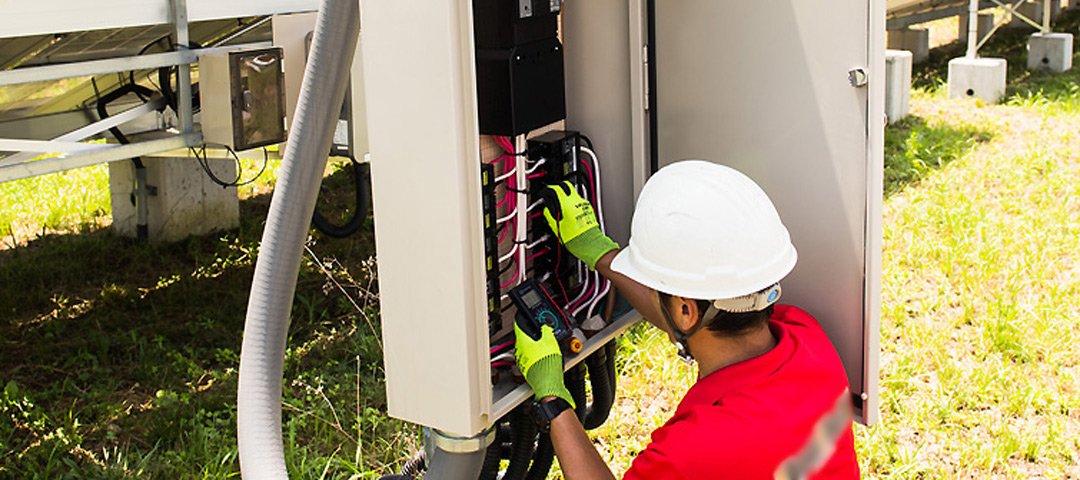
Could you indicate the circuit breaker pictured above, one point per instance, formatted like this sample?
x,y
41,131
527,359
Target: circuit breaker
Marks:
x,y
649,83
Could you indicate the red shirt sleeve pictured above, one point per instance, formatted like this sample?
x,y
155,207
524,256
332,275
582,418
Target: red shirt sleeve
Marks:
x,y
653,464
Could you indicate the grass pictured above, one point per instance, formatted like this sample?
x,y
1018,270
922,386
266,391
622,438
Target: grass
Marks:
x,y
119,357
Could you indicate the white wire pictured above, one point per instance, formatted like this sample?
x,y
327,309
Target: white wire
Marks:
x,y
599,200
519,206
538,242
596,301
584,288
503,356
534,205
600,219
535,166
509,254
506,218
506,175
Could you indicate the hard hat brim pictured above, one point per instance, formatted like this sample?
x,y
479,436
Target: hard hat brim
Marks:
x,y
623,263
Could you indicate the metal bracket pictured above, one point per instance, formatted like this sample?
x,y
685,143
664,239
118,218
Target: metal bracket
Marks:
x,y
525,8
858,77
454,444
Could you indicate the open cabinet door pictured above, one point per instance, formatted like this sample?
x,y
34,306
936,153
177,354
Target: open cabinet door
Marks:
x,y
787,92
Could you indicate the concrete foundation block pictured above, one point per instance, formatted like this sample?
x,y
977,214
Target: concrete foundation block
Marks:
x,y
984,24
897,84
1032,10
914,40
185,201
1050,51
982,78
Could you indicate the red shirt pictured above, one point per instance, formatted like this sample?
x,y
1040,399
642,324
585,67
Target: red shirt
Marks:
x,y
784,414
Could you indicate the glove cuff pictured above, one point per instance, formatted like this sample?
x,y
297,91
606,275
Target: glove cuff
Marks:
x,y
590,245
546,379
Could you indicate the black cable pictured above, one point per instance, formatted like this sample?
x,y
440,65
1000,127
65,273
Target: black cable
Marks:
x,y
493,453
359,213
204,162
575,383
588,143
415,466
542,459
523,434
603,388
506,268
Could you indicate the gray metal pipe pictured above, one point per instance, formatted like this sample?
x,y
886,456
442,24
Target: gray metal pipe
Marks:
x,y
455,466
267,322
450,457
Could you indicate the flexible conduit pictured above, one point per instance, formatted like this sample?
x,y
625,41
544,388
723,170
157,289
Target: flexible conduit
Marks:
x,y
262,355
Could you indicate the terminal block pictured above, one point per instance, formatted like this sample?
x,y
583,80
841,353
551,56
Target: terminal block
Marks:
x,y
491,247
559,151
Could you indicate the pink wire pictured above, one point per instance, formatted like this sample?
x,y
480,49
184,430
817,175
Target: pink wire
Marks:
x,y
535,175
502,345
513,223
517,270
537,254
585,298
502,364
592,183
534,215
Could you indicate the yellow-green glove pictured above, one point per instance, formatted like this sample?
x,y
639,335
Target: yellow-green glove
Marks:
x,y
575,224
540,360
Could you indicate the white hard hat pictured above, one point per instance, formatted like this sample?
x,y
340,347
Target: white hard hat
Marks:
x,y
705,231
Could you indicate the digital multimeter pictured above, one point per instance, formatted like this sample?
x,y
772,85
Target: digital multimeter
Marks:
x,y
535,308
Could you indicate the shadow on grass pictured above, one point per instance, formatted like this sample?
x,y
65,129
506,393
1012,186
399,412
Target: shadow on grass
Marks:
x,y
119,356
914,148
1023,87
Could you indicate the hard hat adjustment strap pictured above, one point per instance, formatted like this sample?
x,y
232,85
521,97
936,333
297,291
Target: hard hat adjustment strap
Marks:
x,y
680,336
747,303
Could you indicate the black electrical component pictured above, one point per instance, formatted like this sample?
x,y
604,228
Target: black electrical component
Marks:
x,y
559,150
491,247
507,23
519,65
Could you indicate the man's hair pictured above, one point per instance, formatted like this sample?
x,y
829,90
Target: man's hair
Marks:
x,y
729,324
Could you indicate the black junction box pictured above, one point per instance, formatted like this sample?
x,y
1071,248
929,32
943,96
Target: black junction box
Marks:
x,y
519,65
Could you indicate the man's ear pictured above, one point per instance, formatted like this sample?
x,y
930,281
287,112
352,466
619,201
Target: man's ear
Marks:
x,y
685,313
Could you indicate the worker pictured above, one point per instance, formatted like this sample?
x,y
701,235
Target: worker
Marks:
x,y
706,255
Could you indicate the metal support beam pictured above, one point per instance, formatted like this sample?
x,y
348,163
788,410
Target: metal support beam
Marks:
x,y
47,146
973,28
986,38
92,129
901,21
105,154
112,65
1012,9
1046,16
183,44
44,17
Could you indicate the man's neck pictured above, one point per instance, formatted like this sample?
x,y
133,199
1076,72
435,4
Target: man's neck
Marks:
x,y
713,353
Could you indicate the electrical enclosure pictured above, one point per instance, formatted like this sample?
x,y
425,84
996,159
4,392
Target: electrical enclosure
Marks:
x,y
292,33
650,82
243,98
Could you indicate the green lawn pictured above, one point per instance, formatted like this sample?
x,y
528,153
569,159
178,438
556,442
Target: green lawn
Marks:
x,y
119,358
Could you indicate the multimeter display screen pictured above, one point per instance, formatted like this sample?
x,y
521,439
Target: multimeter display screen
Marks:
x,y
531,298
